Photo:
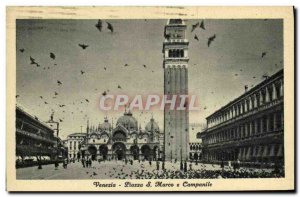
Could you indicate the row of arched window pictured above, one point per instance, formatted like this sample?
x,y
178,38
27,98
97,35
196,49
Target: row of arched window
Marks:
x,y
265,95
195,147
176,53
268,123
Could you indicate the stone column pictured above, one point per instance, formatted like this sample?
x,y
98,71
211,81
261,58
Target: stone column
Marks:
x,y
274,93
241,107
267,95
255,101
274,122
261,125
250,128
256,126
281,87
260,98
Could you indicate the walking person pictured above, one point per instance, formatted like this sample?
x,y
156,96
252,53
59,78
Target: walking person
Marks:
x,y
65,164
87,163
83,163
56,164
90,163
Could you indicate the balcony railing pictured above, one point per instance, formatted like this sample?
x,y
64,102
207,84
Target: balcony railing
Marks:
x,y
33,150
252,138
35,136
176,40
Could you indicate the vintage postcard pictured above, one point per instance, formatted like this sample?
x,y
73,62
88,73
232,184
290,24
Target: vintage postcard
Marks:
x,y
150,99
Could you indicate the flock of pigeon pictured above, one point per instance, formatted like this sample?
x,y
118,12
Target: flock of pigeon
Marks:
x,y
201,26
100,27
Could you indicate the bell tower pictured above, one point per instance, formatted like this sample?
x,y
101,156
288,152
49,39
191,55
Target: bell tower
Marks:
x,y
175,65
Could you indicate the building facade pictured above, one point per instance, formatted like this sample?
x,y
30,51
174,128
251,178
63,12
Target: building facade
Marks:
x,y
250,129
125,140
35,140
74,141
195,151
175,64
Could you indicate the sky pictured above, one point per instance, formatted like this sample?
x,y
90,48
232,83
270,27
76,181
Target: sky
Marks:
x,y
217,74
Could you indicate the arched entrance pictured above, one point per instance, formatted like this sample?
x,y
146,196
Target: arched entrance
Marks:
x,y
146,151
134,150
103,151
195,156
119,136
119,150
93,152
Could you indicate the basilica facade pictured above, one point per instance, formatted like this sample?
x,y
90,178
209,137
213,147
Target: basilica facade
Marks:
x,y
125,140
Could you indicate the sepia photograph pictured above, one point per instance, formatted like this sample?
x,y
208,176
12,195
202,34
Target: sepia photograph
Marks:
x,y
167,102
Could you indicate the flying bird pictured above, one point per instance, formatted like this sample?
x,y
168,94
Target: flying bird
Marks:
x,y
119,87
210,39
202,25
126,65
45,102
52,56
99,25
263,54
196,37
104,68
144,66
41,97
87,100
83,46
110,27
82,72
59,82
21,50
32,60
194,26
55,93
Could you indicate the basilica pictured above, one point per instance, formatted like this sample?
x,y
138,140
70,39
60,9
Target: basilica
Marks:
x,y
125,140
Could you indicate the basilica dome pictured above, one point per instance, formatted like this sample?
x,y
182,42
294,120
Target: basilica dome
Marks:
x,y
152,126
128,121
